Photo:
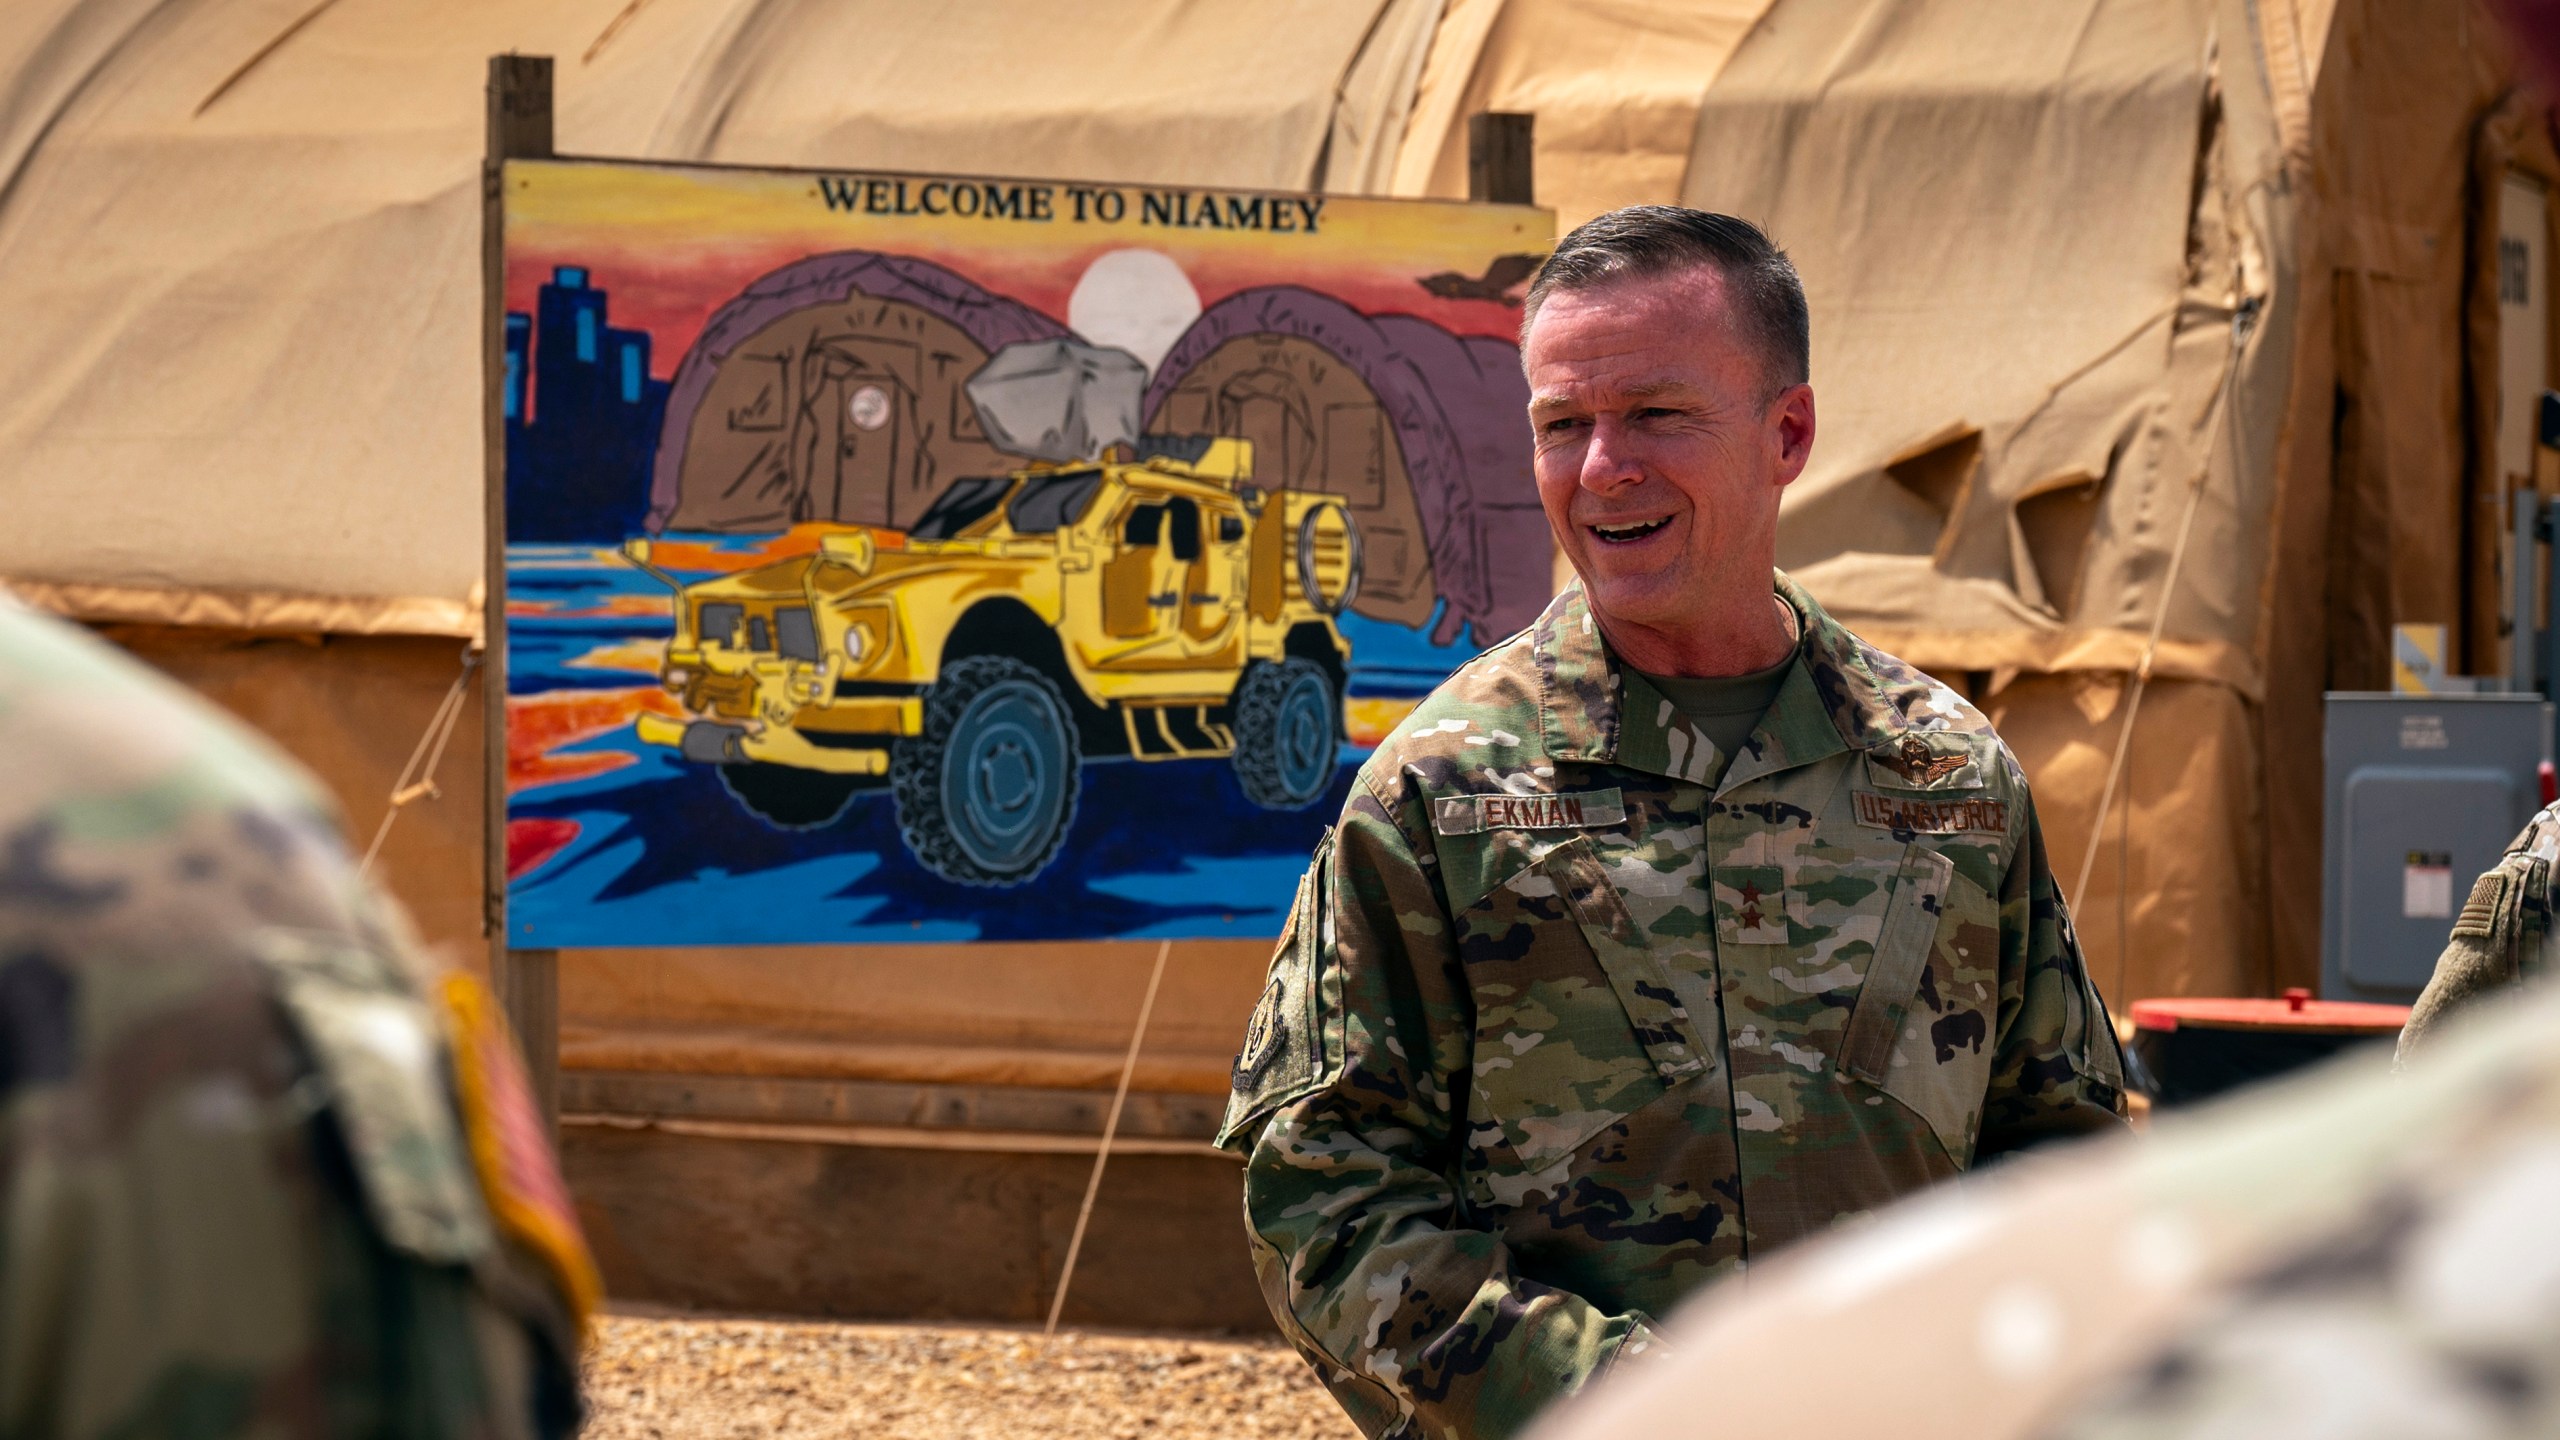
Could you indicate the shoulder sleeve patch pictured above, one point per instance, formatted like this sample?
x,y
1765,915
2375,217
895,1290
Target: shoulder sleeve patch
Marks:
x,y
510,1145
2482,913
1930,760
381,1052
1284,1053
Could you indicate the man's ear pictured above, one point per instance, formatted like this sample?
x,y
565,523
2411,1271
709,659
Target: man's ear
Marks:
x,y
1790,431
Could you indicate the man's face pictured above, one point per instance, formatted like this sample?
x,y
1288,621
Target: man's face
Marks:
x,y
1661,447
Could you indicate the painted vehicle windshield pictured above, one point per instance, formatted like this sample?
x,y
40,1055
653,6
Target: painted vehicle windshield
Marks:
x,y
968,501
1046,502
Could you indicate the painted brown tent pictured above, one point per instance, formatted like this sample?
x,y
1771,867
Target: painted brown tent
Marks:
x,y
1422,432
832,390
2074,265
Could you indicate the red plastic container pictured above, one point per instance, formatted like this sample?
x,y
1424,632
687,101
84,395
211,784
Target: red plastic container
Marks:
x,y
2199,1047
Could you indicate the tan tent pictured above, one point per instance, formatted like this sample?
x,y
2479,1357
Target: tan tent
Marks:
x,y
240,418
2124,308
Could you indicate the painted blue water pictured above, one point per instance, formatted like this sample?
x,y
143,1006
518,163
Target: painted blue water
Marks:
x,y
1388,659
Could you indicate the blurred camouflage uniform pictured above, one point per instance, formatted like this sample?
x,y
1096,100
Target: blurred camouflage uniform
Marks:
x,y
1575,1014
2346,1254
2501,939
237,1192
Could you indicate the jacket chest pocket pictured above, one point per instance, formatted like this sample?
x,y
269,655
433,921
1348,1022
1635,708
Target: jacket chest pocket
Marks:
x,y
1923,1027
1577,1025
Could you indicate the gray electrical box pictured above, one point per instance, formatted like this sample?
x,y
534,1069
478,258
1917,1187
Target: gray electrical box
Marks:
x,y
2424,792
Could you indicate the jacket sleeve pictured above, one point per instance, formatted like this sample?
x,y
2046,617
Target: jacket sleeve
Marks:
x,y
1361,1238
2057,1072
2501,925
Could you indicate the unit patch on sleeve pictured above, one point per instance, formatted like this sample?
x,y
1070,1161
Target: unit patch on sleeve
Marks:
x,y
1473,814
1285,1053
1913,815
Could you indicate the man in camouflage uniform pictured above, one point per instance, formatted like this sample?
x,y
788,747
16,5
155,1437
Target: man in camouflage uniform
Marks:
x,y
1581,1006
261,1172
2502,938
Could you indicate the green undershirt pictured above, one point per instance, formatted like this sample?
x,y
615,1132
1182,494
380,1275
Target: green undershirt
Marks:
x,y
1727,708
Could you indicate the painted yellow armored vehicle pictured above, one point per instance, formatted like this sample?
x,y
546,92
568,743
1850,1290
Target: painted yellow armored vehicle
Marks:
x,y
1151,603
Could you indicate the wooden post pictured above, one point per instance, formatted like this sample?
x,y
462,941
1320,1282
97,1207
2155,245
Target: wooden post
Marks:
x,y
527,981
1500,165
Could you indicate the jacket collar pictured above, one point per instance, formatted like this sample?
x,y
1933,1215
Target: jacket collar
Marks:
x,y
1594,708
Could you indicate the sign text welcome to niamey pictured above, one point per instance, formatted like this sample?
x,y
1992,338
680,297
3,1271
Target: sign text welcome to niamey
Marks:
x,y
1034,202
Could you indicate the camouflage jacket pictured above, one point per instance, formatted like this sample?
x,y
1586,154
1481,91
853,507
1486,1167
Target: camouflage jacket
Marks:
x,y
1575,1014
243,1189
2503,936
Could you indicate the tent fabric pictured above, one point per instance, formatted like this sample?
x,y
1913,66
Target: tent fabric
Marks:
x,y
239,241
349,708
1042,1015
1128,90
2077,267
2399,172
2177,902
1376,103
1615,84
794,1049
254,612
2026,246
2049,337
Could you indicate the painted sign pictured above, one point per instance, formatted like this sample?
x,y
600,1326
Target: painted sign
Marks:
x,y
900,558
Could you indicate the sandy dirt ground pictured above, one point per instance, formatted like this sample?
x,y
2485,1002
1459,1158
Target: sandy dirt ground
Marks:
x,y
651,1378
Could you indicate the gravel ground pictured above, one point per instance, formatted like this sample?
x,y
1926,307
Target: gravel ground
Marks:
x,y
701,1379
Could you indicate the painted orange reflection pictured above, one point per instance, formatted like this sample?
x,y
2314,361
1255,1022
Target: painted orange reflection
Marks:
x,y
538,726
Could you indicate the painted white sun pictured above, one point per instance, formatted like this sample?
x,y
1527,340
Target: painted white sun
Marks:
x,y
1134,300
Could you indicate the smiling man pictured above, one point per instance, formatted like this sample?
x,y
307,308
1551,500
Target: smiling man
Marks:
x,y
1674,928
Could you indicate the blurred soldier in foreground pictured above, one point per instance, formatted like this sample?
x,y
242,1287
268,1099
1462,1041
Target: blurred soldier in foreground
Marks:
x,y
1670,930
2347,1255
261,1170
2500,941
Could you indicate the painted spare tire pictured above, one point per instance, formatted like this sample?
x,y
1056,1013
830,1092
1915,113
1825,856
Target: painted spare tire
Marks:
x,y
1328,557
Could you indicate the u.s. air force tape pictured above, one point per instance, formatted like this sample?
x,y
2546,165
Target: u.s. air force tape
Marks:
x,y
1929,817
1471,814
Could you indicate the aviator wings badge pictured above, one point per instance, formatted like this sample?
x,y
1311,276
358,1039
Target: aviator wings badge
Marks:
x,y
1921,767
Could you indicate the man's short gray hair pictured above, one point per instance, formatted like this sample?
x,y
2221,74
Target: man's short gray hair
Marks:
x,y
1648,240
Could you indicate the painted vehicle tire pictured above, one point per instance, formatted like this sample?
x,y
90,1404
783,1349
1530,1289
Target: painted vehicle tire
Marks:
x,y
986,793
1287,723
786,797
